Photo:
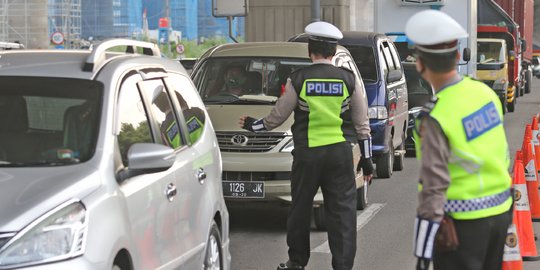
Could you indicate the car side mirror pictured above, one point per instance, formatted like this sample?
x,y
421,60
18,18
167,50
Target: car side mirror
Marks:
x,y
147,158
393,76
466,54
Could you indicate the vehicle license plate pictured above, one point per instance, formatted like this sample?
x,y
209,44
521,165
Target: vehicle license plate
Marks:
x,y
238,189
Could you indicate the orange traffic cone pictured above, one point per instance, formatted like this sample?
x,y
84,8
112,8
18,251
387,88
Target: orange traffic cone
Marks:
x,y
527,245
511,256
531,174
534,131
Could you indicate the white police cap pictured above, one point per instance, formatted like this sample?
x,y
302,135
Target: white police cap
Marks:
x,y
323,31
432,27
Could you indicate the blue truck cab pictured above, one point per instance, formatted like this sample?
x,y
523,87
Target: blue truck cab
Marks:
x,y
380,66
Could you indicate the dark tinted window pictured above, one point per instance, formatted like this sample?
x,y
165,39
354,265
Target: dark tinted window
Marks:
x,y
48,121
364,57
416,84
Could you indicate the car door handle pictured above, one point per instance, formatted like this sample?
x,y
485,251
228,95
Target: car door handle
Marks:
x,y
170,192
201,175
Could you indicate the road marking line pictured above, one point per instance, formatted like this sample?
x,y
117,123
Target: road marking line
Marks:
x,y
361,221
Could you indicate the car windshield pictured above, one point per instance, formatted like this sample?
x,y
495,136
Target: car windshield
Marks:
x,y
364,57
48,121
245,80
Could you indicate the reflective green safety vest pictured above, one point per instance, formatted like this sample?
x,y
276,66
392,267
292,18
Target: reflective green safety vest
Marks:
x,y
323,115
470,115
325,99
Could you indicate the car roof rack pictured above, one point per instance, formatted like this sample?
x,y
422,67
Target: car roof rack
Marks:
x,y
97,56
10,45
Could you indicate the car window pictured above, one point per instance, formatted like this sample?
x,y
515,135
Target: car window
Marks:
x,y
48,121
383,62
395,55
164,116
364,57
388,56
132,118
225,80
190,104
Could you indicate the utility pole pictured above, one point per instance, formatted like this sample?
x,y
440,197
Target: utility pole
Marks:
x,y
315,10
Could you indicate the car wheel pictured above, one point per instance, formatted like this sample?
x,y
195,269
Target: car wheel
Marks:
x,y
362,196
528,80
399,160
512,105
213,256
384,166
319,217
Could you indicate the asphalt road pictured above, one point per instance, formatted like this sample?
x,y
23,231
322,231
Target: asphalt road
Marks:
x,y
384,229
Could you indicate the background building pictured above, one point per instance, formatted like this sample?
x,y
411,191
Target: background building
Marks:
x,y
24,21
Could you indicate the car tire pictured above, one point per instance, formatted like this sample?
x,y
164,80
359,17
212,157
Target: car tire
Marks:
x,y
213,256
528,80
384,166
512,106
319,216
362,196
399,160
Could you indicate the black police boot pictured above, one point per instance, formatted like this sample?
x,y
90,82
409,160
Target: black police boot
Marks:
x,y
289,265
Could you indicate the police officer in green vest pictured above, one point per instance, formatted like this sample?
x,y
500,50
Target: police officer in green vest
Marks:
x,y
464,155
330,113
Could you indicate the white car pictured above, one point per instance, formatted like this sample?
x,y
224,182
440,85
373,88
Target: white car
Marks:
x,y
107,161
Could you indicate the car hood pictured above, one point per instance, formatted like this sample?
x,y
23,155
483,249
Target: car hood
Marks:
x,y
374,94
28,193
226,117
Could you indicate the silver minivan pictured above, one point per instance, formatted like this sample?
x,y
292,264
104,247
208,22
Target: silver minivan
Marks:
x,y
107,161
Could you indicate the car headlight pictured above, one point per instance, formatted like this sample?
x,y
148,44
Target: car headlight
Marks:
x,y
58,235
377,112
288,147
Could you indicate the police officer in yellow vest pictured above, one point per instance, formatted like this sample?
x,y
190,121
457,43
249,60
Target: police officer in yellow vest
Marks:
x,y
330,113
464,154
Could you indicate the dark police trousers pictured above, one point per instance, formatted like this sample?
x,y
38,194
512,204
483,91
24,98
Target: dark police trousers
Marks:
x,y
481,244
331,168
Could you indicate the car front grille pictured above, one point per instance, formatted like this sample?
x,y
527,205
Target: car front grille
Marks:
x,y
489,83
248,141
255,176
4,238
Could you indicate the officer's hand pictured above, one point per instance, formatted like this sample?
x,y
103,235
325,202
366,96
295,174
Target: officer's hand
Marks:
x,y
252,124
422,264
366,164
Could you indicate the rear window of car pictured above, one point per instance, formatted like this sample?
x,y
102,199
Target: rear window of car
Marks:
x,y
52,121
219,78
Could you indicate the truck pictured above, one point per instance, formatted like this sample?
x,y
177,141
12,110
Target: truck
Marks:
x,y
492,68
390,17
522,12
494,22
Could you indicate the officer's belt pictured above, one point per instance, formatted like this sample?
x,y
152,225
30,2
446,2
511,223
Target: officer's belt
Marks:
x,y
453,206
